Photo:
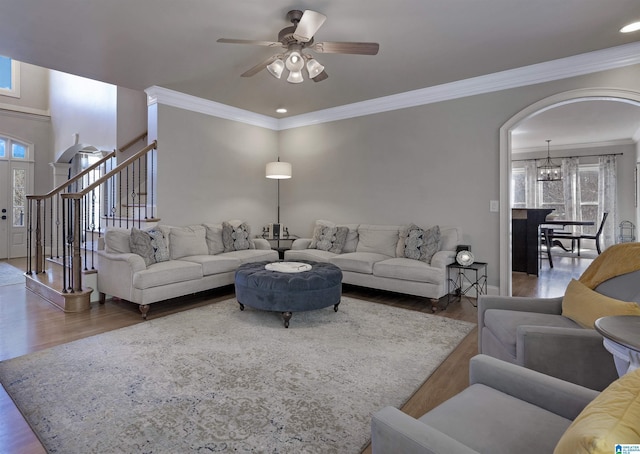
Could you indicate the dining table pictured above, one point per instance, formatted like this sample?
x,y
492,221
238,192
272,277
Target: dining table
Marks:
x,y
550,225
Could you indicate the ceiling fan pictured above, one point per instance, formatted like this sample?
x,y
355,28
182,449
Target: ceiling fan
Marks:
x,y
296,39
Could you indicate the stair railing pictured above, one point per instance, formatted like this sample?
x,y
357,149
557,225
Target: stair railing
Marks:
x,y
79,209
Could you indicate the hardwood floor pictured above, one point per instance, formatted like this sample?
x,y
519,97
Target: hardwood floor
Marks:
x,y
29,323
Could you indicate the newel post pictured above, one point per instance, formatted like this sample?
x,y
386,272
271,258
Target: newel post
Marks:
x,y
76,266
39,251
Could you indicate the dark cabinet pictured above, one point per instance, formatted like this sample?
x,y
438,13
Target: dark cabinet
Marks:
x,y
525,228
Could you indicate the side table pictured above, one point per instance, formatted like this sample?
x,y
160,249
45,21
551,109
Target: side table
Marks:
x,y
281,244
621,339
463,283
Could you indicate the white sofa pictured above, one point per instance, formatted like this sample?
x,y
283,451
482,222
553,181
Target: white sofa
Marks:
x,y
373,256
197,261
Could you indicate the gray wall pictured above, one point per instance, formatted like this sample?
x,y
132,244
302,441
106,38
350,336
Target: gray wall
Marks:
x,y
212,170
432,164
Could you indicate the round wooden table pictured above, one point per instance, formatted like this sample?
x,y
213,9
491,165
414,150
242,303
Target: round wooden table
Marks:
x,y
622,339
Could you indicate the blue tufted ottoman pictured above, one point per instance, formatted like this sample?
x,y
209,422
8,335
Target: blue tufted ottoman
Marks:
x,y
276,291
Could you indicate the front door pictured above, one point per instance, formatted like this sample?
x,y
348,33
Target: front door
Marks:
x,y
16,181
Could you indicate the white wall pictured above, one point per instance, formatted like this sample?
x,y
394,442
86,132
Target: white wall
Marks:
x,y
212,170
26,118
83,106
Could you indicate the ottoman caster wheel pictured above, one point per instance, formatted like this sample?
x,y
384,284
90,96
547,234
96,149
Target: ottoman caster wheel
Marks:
x,y
241,306
335,308
286,316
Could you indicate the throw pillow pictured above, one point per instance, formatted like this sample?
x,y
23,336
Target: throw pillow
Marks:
x,y
214,238
149,245
236,238
610,419
419,244
331,239
584,306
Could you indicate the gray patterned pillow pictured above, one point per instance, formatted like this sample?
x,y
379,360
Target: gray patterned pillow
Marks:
x,y
149,245
420,244
236,238
328,238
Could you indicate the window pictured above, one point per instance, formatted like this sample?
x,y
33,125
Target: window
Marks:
x,y
13,149
9,77
19,196
551,195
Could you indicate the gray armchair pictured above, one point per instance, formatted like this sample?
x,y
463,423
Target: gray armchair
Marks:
x,y
532,332
506,409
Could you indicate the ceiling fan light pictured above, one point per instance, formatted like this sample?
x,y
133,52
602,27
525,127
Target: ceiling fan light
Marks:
x,y
295,77
295,62
314,67
276,68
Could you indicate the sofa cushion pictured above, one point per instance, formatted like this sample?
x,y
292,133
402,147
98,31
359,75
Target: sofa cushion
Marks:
x,y
352,236
214,264
214,238
504,324
149,244
185,241
450,237
116,240
408,270
315,255
612,418
236,237
358,262
330,239
584,306
379,239
164,273
487,420
253,255
417,243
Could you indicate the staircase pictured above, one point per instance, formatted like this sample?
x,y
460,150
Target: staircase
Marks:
x,y
66,226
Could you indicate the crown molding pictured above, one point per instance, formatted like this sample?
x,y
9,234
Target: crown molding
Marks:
x,y
25,112
173,98
574,146
563,68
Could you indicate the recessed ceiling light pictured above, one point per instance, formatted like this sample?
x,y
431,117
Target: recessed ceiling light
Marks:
x,y
281,110
634,27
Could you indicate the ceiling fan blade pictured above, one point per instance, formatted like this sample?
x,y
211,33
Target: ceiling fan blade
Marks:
x,y
308,25
250,41
260,66
320,77
329,47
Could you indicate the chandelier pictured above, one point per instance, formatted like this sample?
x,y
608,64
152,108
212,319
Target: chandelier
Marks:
x,y
549,170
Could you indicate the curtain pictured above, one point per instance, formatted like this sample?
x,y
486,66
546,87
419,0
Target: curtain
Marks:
x,y
571,188
607,198
531,186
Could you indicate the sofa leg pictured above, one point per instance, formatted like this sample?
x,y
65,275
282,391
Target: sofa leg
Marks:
x,y
103,298
434,304
144,308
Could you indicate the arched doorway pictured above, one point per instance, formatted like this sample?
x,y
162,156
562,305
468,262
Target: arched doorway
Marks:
x,y
574,96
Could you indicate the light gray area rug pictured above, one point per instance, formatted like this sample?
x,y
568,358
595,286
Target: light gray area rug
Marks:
x,y
217,379
10,275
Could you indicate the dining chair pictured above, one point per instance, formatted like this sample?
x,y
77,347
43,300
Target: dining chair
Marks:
x,y
576,238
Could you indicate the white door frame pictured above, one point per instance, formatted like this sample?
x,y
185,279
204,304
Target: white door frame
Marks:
x,y
568,97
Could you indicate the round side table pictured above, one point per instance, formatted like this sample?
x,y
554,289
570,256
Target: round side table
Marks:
x,y
622,339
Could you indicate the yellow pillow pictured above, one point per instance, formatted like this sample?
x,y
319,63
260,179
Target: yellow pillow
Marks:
x,y
584,306
611,418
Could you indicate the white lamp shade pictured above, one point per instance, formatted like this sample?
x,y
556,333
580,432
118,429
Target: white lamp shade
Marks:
x,y
276,68
295,77
278,170
295,62
314,68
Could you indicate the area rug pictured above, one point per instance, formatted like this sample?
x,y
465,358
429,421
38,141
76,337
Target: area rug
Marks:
x,y
10,275
217,379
